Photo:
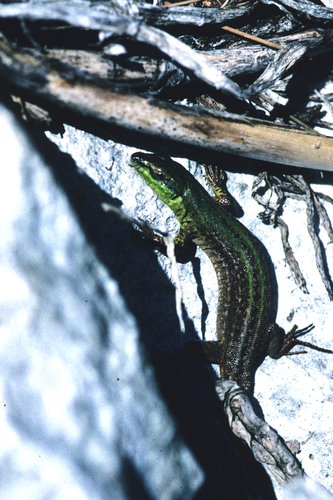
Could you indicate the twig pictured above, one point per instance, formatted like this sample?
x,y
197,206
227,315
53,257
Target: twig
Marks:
x,y
266,445
295,187
296,120
292,262
323,215
292,118
252,37
177,4
310,213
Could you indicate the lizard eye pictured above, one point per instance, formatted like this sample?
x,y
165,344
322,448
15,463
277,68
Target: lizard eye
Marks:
x,y
157,173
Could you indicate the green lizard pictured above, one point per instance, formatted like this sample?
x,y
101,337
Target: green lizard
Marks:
x,y
246,333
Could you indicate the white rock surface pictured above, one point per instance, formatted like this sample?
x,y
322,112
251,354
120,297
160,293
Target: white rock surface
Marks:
x,y
81,416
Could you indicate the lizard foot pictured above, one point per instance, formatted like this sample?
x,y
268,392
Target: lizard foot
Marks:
x,y
291,339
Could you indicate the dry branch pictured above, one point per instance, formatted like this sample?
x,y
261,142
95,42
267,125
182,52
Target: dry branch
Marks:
x,y
110,23
75,84
193,16
305,7
38,81
267,446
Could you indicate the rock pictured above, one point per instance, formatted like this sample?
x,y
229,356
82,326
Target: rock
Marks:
x,y
82,415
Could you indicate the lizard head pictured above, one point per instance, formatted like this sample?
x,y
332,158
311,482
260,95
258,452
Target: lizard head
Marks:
x,y
167,178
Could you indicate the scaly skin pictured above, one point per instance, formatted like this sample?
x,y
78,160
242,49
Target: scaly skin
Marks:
x,y
245,332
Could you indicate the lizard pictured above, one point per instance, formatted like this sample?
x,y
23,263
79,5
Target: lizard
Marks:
x,y
245,329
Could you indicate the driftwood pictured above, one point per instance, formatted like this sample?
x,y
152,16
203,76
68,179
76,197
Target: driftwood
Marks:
x,y
307,8
94,83
111,23
266,444
46,81
192,15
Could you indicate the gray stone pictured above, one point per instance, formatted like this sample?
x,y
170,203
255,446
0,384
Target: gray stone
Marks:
x,y
82,416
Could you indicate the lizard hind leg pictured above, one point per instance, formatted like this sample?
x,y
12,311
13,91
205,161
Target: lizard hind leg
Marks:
x,y
291,339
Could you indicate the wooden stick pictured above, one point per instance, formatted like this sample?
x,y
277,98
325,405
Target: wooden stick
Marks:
x,y
185,2
253,38
180,125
